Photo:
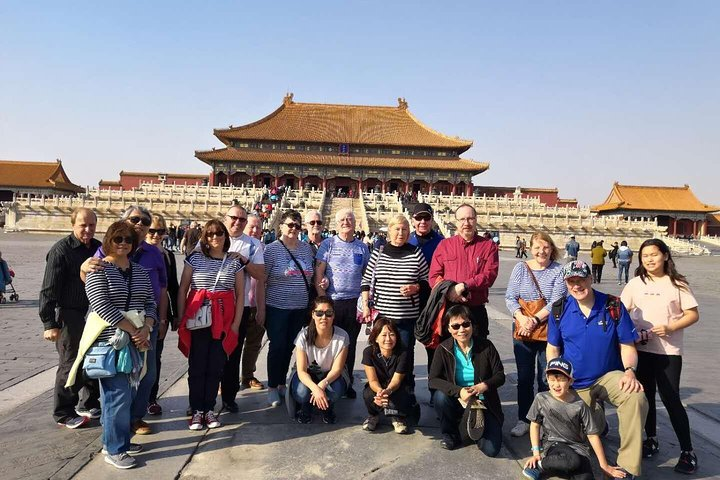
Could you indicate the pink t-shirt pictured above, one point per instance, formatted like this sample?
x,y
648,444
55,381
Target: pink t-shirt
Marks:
x,y
657,302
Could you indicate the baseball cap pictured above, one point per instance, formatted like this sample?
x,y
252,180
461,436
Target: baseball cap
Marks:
x,y
422,208
560,365
578,268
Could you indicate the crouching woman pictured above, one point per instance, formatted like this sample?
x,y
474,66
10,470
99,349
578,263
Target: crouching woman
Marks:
x,y
467,369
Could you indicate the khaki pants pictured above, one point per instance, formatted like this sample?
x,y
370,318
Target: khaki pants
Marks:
x,y
253,343
632,409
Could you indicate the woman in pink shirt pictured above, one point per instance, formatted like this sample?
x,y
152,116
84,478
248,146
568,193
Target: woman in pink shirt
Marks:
x,y
662,305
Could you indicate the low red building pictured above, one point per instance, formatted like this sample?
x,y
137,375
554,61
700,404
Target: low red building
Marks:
x,y
548,196
130,180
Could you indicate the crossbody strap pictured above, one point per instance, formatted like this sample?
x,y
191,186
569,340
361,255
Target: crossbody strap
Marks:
x,y
297,264
534,279
217,277
129,285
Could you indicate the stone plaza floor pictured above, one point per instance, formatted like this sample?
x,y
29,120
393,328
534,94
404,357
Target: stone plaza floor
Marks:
x,y
260,442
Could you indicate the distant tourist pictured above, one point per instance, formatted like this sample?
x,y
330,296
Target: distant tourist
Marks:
x,y
662,306
320,378
594,332
470,260
467,368
518,246
624,259
612,254
532,289
597,255
5,277
572,248
190,239
63,307
523,249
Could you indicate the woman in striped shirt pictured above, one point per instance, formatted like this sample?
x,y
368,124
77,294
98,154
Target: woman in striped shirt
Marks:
x,y
289,266
530,355
211,277
121,286
400,271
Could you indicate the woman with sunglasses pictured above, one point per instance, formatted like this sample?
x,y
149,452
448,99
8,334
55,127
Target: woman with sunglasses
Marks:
x,y
386,367
466,369
121,288
209,276
320,378
289,266
156,236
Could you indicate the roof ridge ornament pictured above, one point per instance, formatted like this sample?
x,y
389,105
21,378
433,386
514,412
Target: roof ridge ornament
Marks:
x,y
288,98
402,103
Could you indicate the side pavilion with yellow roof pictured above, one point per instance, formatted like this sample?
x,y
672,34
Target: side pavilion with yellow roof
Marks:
x,y
676,208
34,179
342,147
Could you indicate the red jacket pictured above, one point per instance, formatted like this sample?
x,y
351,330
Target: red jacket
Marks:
x,y
474,263
223,312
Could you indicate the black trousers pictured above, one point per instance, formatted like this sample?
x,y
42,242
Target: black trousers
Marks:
x,y
231,373
400,400
560,459
346,318
86,392
159,345
663,372
205,368
597,272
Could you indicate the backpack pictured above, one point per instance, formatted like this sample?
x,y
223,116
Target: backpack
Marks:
x,y
612,306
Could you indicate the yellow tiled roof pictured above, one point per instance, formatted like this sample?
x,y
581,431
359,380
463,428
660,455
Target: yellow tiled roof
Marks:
x,y
254,156
652,198
353,124
36,175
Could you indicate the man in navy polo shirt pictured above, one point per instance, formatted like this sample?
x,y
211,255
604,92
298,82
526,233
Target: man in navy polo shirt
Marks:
x,y
602,351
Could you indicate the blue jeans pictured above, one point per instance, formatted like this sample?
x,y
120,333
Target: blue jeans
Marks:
x,y
406,330
301,393
282,327
116,396
450,412
623,267
531,362
142,397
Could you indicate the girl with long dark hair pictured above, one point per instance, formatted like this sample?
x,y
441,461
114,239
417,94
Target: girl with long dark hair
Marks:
x,y
662,305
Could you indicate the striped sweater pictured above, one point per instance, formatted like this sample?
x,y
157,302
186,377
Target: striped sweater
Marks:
x,y
107,291
395,267
522,286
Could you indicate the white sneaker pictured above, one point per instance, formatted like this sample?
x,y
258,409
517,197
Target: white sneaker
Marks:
x,y
273,397
521,428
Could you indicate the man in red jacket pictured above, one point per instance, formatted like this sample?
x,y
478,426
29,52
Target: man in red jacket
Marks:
x,y
472,261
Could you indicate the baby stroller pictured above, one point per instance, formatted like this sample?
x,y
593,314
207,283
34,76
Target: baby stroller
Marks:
x,y
9,289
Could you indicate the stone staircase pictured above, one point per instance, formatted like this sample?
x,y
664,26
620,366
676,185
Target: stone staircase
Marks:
x,y
333,205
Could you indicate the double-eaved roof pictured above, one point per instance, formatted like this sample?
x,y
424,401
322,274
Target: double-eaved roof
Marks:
x,y
29,175
653,199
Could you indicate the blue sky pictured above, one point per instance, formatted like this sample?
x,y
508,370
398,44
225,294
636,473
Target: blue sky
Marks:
x,y
573,94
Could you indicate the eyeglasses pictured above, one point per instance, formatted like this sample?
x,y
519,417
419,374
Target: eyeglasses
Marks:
x,y
120,239
296,226
422,217
234,219
158,231
456,326
219,233
467,220
144,220
324,313
315,222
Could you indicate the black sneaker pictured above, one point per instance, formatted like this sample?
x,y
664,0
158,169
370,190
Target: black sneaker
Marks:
x,y
448,442
328,416
687,463
231,406
351,393
303,417
650,447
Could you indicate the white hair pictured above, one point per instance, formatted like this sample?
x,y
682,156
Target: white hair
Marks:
x,y
344,212
310,214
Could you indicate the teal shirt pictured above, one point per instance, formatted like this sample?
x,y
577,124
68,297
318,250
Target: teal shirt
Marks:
x,y
464,370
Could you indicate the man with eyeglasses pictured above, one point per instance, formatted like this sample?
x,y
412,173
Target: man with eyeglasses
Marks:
x,y
470,260
314,226
63,307
150,258
249,251
340,263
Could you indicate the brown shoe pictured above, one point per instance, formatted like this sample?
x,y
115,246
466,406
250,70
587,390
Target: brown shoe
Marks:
x,y
253,383
141,427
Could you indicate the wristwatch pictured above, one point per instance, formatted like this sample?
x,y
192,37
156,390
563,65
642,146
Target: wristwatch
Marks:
x,y
634,370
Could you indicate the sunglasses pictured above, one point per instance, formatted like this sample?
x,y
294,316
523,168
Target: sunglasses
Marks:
x,y
296,226
144,220
315,222
215,234
456,326
324,313
158,231
425,217
234,219
120,239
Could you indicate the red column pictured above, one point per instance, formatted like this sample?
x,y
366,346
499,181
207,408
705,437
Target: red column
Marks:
x,y
383,187
469,189
277,182
454,189
674,226
695,224
360,189
324,184
254,180
407,187
300,182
